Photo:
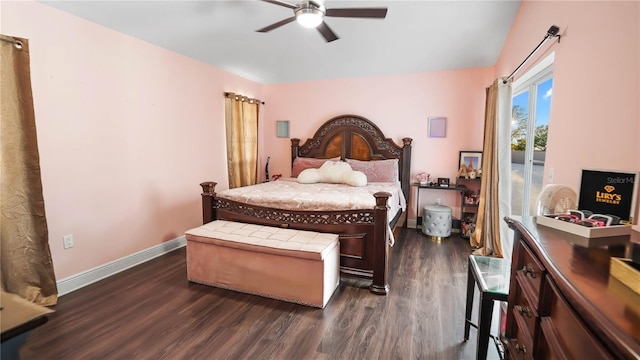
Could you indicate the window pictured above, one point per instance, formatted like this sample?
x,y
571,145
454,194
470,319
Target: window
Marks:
x,y
531,102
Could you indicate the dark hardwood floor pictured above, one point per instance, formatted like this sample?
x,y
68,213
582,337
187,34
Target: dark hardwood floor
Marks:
x,y
153,312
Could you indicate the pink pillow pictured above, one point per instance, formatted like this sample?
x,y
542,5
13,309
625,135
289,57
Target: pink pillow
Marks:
x,y
377,170
301,163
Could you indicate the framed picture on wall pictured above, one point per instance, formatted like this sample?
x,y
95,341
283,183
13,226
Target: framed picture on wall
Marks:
x,y
470,161
282,129
437,127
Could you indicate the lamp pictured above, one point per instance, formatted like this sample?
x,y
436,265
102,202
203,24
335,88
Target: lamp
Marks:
x,y
309,17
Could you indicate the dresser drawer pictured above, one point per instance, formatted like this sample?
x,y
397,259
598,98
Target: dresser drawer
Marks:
x,y
525,311
564,333
521,345
530,274
549,348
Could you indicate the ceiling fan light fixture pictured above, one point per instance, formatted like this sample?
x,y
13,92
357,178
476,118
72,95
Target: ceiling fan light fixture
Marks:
x,y
311,13
309,17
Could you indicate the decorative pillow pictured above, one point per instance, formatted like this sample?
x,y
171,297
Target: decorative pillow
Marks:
x,y
377,170
333,172
301,163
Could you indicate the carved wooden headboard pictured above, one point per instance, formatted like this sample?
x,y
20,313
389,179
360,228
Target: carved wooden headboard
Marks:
x,y
354,137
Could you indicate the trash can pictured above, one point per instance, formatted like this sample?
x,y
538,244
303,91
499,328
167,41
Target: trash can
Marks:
x,y
436,221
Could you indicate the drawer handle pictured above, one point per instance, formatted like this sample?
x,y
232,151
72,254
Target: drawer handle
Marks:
x,y
521,348
529,271
524,311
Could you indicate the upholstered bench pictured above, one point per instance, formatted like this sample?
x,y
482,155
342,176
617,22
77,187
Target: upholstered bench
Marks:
x,y
291,265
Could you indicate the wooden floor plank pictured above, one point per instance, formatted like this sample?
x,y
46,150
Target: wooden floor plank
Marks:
x,y
152,312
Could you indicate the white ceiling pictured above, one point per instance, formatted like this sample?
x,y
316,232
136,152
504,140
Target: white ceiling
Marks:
x,y
416,36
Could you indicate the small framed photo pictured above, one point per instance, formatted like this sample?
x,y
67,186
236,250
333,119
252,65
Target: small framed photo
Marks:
x,y
282,129
470,162
437,127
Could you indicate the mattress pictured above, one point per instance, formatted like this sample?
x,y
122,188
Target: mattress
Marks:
x,y
288,194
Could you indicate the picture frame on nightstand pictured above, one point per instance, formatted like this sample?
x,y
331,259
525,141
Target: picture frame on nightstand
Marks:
x,y
471,160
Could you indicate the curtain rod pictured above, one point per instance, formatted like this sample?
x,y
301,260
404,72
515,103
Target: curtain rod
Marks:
x,y
552,32
11,41
227,94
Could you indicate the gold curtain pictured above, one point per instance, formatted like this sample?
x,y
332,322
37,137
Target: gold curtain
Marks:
x,y
26,268
241,121
487,233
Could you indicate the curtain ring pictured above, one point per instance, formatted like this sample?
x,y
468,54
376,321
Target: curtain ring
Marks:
x,y
18,45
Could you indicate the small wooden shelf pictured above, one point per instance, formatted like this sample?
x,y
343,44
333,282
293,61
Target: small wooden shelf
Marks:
x,y
470,209
461,179
468,212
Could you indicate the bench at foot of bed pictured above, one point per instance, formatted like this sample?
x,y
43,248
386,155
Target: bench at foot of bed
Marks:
x,y
291,265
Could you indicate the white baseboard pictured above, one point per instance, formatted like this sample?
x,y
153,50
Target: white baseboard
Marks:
x,y
98,273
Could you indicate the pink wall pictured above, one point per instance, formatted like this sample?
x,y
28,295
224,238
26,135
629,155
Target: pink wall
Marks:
x,y
595,117
399,105
126,132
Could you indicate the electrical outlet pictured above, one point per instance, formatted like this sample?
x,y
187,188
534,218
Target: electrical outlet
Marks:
x,y
438,201
68,241
552,173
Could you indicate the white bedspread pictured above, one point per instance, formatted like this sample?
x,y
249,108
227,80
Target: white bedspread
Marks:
x,y
288,194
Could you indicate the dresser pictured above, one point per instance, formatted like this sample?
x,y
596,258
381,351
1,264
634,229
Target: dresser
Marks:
x,y
562,304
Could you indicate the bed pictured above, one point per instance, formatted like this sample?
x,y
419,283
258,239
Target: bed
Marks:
x,y
364,232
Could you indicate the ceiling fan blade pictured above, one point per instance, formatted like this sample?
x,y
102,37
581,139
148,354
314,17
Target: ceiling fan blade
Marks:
x,y
377,13
281,3
277,25
326,32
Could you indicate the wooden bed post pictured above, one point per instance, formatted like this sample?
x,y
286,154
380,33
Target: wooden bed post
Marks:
x,y
295,149
208,197
380,284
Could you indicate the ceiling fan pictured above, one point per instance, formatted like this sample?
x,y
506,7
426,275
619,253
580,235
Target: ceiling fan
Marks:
x,y
311,14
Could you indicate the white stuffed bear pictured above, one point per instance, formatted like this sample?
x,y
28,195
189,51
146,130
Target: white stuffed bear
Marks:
x,y
333,172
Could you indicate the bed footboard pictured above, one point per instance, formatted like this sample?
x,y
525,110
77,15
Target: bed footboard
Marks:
x,y
363,234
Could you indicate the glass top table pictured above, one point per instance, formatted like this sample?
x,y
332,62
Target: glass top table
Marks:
x,y
492,274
